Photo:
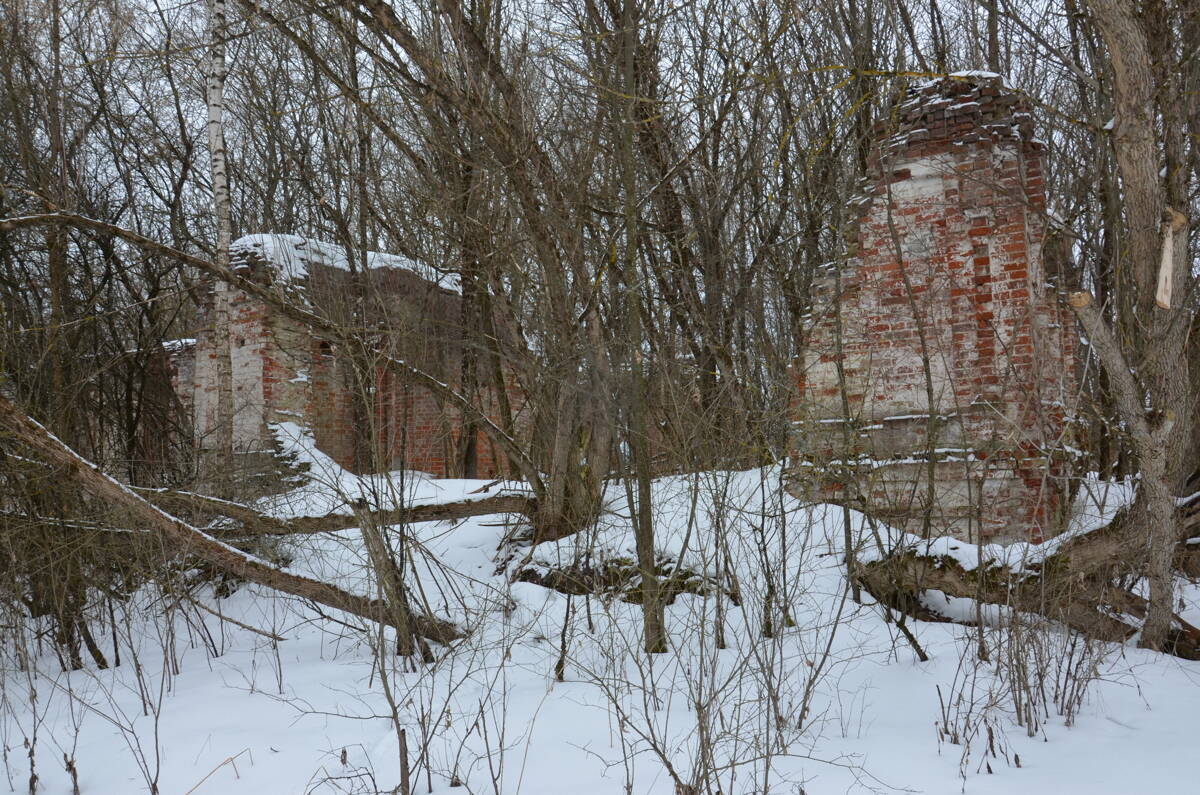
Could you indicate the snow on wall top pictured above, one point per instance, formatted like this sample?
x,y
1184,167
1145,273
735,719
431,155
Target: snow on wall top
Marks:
x,y
181,344
292,255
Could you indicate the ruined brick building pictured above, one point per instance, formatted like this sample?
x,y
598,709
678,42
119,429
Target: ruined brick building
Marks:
x,y
267,369
955,362
956,367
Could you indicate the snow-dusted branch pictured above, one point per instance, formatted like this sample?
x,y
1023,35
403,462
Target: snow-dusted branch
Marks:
x,y
183,537
252,522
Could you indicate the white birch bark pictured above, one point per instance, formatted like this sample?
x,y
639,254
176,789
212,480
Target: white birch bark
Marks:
x,y
215,98
221,464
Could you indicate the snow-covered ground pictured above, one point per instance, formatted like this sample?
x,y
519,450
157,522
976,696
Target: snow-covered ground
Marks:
x,y
809,692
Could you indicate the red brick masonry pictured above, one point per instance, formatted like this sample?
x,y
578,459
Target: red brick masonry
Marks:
x,y
946,244
359,412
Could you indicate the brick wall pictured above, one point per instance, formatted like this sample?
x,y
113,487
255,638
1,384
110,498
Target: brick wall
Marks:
x,y
946,328
418,430
364,417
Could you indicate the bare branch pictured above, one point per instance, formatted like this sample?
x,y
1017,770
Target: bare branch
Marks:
x,y
1125,388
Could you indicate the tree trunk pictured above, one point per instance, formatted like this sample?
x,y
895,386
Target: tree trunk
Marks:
x,y
1075,586
218,471
1155,342
251,522
389,575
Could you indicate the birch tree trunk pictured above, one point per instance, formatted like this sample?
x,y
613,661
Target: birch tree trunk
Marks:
x,y
218,24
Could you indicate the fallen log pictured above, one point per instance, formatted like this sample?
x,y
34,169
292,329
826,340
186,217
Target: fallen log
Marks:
x,y
177,535
619,578
252,522
1074,585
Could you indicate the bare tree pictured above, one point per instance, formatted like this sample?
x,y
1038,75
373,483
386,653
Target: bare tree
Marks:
x,y
1147,352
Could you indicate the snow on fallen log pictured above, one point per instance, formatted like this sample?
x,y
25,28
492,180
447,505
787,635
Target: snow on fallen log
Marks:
x,y
252,522
1073,578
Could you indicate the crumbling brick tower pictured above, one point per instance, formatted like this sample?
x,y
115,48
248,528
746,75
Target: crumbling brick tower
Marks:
x,y
956,363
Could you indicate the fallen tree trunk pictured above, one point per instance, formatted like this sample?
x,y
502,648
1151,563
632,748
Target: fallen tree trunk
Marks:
x,y
252,522
620,578
1077,585
177,535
